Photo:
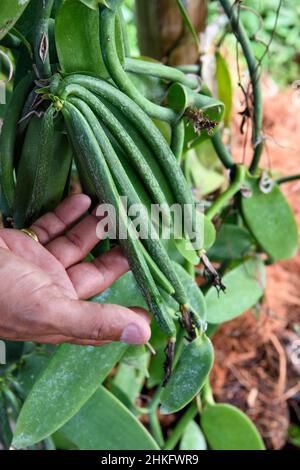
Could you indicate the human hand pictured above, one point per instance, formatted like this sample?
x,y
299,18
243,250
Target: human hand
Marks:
x,y
43,286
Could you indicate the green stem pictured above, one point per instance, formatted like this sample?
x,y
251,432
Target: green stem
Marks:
x,y
156,430
152,409
207,394
177,139
179,346
118,74
189,68
225,197
222,151
41,39
155,399
254,72
288,179
180,427
156,69
153,418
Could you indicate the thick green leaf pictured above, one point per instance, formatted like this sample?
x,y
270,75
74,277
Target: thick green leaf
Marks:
x,y
209,233
132,371
197,303
227,428
153,88
123,396
104,423
232,243
77,39
69,380
130,380
30,369
186,250
62,443
136,357
189,375
156,369
225,88
192,438
206,234
245,285
180,98
10,12
271,220
205,180
208,156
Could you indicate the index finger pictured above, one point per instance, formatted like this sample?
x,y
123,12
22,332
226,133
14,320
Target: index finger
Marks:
x,y
55,223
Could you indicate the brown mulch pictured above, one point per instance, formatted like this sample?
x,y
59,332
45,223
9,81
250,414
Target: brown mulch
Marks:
x,y
254,367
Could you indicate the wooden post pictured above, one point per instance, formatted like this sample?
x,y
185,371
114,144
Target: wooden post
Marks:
x,y
162,33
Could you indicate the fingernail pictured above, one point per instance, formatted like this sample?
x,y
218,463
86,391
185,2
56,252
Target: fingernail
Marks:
x,y
131,334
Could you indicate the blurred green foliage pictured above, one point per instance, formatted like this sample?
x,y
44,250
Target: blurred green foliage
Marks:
x,y
294,435
259,17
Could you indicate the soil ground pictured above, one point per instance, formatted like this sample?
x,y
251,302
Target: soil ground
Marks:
x,y
257,365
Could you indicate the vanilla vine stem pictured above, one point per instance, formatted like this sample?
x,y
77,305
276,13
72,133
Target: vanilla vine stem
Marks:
x,y
221,151
207,394
41,40
253,67
224,198
180,427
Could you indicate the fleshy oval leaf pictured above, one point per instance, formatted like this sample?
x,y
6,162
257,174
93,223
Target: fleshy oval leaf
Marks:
x,y
271,220
193,438
104,423
10,12
232,243
227,428
189,375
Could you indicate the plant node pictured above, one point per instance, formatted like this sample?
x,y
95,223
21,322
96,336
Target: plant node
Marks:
x,y
187,322
170,350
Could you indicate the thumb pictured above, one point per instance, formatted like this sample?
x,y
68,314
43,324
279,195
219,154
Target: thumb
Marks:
x,y
102,322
